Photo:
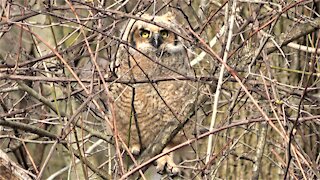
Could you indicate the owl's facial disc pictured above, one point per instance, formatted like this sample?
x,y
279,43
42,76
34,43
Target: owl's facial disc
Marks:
x,y
155,38
152,39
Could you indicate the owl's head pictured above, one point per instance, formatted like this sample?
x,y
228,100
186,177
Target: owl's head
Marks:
x,y
148,37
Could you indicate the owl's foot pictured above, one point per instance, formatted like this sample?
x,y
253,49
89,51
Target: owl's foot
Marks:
x,y
135,149
167,164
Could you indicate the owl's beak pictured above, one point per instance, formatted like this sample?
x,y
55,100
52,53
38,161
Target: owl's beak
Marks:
x,y
156,40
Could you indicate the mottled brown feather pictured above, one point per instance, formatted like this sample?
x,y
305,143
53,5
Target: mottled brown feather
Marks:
x,y
154,104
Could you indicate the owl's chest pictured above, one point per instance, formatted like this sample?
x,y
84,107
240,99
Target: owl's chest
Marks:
x,y
148,99
155,97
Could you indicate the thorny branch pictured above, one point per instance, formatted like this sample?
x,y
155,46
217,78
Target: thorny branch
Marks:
x,y
47,90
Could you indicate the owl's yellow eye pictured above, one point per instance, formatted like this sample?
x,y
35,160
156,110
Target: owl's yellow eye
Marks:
x,y
164,33
144,33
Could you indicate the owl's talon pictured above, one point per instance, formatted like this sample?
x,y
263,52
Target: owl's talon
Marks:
x,y
159,170
161,163
135,150
173,170
172,167
166,163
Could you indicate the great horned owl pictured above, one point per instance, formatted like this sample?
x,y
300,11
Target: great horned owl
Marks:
x,y
143,109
